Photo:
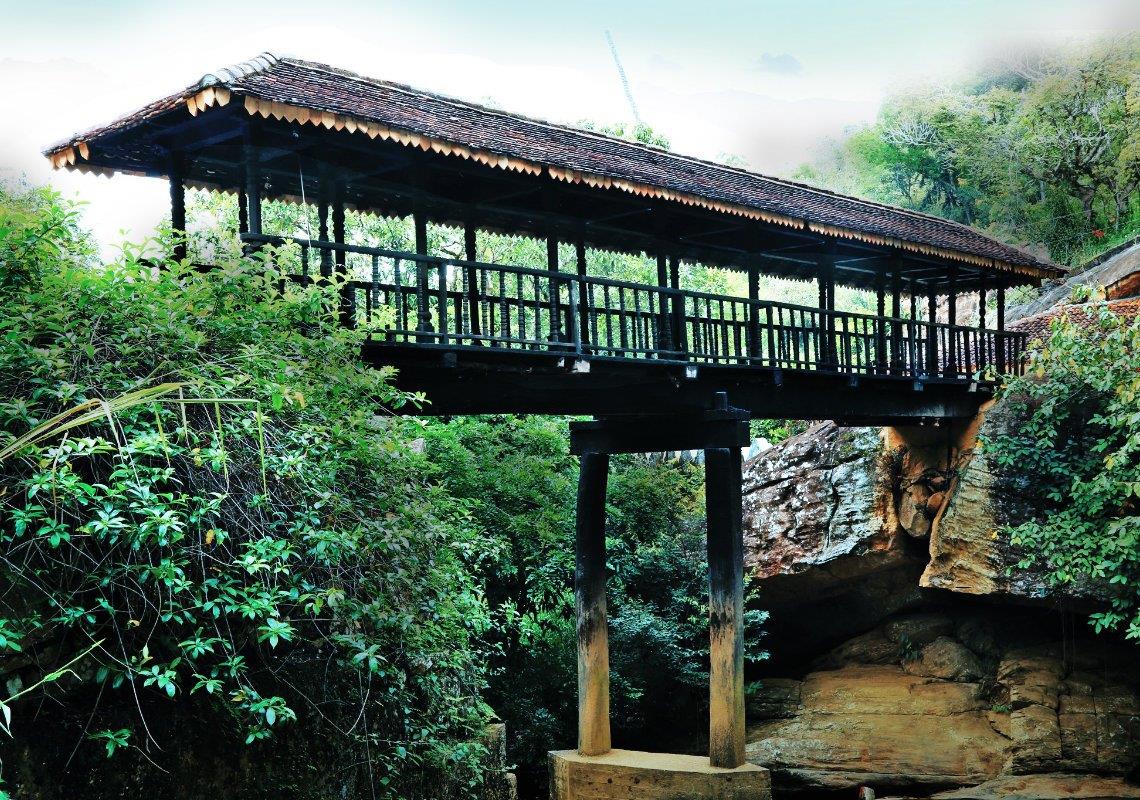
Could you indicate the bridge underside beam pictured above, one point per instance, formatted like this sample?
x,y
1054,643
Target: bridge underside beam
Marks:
x,y
482,381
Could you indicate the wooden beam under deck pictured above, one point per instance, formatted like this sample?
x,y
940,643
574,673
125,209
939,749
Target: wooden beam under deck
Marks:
x,y
490,380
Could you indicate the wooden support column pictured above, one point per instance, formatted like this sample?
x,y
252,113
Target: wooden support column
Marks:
x,y
825,352
880,323
952,322
932,333
726,606
178,207
347,295
324,191
423,312
896,315
243,208
1001,359
583,290
754,311
664,315
471,279
679,337
982,303
556,334
821,328
590,605
252,188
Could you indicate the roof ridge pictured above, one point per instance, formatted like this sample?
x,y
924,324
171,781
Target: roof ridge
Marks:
x,y
262,62
408,88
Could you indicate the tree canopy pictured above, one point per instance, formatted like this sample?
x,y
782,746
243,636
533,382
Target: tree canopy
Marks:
x,y
1042,150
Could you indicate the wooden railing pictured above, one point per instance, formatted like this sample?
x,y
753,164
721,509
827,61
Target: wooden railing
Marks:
x,y
402,297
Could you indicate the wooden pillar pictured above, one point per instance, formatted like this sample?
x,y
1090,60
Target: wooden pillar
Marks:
x,y
726,606
423,312
323,193
347,295
881,321
982,303
679,336
178,208
590,606
821,328
825,351
556,334
1002,340
664,307
932,333
243,209
252,189
471,279
896,315
754,342
583,290
952,322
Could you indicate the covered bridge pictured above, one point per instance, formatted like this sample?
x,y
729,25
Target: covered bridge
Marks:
x,y
661,366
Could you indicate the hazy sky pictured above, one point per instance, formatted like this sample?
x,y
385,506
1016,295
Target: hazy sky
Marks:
x,y
763,80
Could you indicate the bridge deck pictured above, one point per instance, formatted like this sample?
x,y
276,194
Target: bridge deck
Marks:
x,y
487,338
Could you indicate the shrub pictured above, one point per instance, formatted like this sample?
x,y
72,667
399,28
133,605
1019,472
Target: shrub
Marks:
x,y
1079,441
211,504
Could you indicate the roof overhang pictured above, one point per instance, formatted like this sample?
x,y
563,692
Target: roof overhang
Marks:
x,y
247,92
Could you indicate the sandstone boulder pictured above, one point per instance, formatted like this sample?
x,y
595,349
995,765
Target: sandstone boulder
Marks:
x,y
822,541
947,659
880,725
1053,786
909,706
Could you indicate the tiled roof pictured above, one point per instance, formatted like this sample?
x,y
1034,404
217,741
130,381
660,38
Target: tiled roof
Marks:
x,y
1038,326
280,86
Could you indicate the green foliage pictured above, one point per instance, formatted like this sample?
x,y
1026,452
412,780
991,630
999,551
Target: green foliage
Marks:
x,y
1077,442
36,234
250,532
1046,153
778,430
641,133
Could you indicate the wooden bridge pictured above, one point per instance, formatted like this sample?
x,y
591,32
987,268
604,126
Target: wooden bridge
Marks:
x,y
497,338
660,366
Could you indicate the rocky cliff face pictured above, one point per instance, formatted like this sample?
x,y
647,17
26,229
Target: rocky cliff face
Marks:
x,y
908,655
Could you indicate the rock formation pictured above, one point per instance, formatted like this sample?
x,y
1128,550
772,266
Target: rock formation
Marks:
x,y
909,653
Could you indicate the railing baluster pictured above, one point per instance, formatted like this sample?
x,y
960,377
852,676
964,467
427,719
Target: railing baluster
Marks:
x,y
537,311
441,277
504,312
637,341
372,297
401,303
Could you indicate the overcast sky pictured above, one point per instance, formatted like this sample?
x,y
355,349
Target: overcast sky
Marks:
x,y
766,81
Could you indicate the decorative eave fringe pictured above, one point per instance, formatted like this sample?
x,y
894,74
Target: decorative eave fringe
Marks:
x,y
207,98
219,96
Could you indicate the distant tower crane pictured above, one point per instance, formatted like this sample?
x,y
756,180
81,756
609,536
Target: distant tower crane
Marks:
x,y
624,81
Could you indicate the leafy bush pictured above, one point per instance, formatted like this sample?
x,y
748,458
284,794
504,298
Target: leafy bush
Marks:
x,y
209,504
1078,439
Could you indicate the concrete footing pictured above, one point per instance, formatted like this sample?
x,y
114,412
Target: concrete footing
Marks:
x,y
636,775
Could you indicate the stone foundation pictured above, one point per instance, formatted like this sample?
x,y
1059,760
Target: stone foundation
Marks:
x,y
635,775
